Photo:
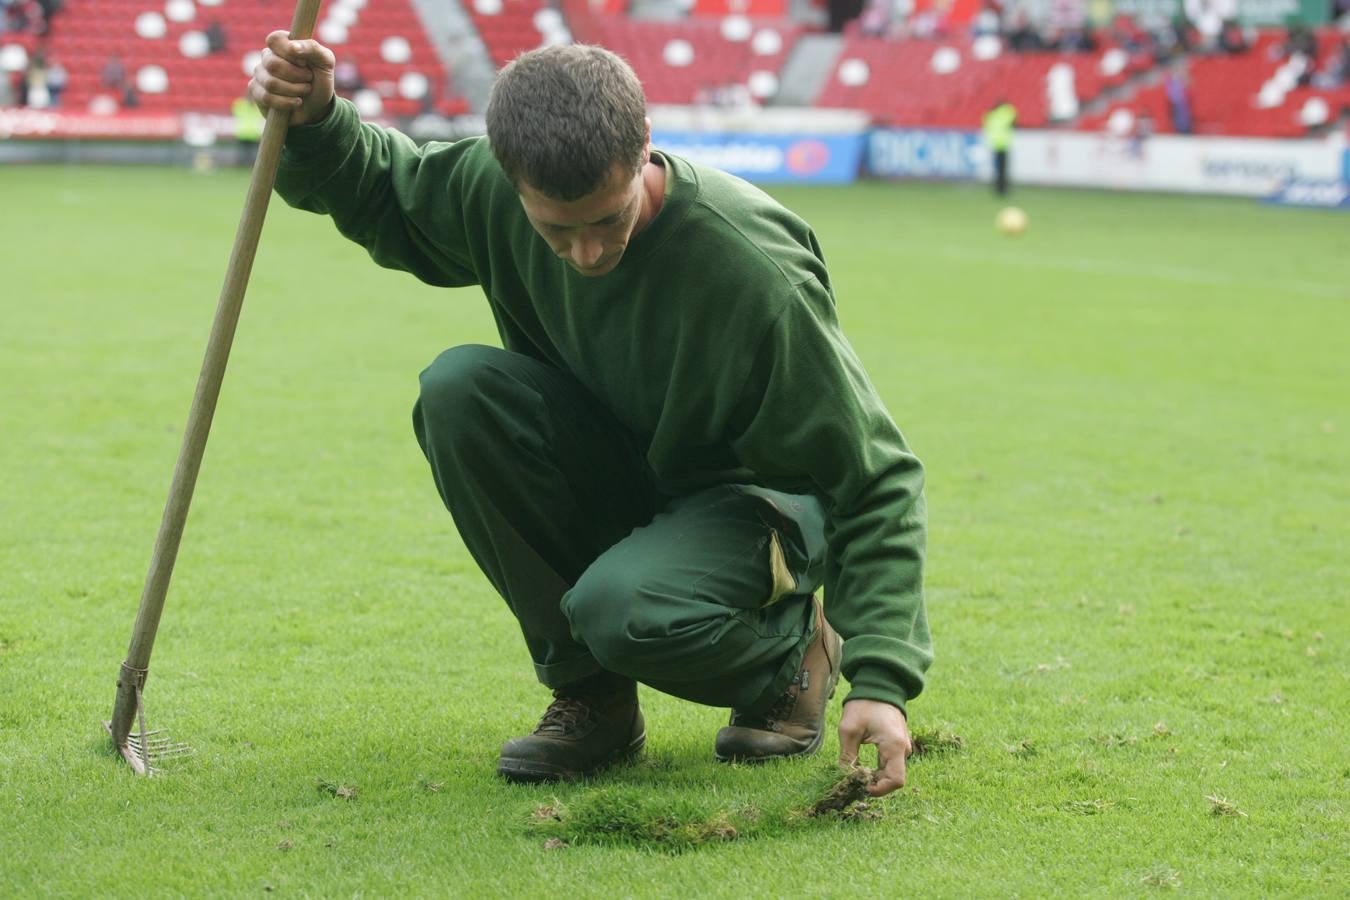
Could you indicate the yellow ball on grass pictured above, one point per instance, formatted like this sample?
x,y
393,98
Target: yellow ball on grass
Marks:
x,y
1011,221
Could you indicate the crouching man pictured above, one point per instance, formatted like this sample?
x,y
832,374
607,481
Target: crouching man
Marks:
x,y
674,449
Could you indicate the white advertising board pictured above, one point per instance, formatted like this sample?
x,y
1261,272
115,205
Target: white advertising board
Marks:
x,y
1245,166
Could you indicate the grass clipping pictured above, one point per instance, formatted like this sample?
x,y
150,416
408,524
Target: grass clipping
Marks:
x,y
633,817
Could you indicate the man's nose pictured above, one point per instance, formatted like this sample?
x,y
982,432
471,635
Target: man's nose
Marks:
x,y
587,250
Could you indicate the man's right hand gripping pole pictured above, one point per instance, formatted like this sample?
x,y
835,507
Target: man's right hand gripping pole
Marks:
x,y
294,75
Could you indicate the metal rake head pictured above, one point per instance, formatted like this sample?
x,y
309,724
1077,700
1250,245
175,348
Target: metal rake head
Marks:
x,y
142,749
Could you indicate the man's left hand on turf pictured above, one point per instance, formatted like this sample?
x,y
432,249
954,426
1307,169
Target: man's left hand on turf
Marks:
x,y
881,724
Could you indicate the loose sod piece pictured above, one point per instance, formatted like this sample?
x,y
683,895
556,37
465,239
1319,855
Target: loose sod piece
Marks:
x,y
851,788
636,816
145,748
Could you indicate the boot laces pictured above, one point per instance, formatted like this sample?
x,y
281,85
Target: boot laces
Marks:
x,y
786,703
782,708
563,714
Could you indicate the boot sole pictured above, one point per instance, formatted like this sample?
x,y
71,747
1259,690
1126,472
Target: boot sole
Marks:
x,y
531,771
810,749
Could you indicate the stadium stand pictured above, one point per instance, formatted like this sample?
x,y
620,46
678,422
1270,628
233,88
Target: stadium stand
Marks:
x,y
728,60
508,27
682,62
182,56
940,84
1242,95
193,55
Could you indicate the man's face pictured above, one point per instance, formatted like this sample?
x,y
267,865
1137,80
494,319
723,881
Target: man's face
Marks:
x,y
591,232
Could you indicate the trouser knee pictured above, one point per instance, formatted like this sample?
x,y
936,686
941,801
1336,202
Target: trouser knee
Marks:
x,y
600,609
453,385
463,389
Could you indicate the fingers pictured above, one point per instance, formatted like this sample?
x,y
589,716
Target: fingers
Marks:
x,y
296,83
269,93
301,54
850,739
296,76
273,70
890,774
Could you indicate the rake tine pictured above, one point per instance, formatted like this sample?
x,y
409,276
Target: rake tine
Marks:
x,y
172,752
153,748
158,747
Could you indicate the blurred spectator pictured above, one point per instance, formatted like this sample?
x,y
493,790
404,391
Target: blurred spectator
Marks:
x,y
35,94
925,24
1139,135
114,73
130,99
733,95
16,15
998,135
841,12
1021,36
1077,40
1126,33
1337,70
989,21
1300,39
347,78
1231,40
1300,47
1209,17
216,40
57,78
1179,106
875,20
30,15
1170,41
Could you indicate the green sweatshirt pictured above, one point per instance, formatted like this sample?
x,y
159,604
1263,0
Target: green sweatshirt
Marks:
x,y
714,340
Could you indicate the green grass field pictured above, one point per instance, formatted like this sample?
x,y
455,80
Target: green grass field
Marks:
x,y
1136,420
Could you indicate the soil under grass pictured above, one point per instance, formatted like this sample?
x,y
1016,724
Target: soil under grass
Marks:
x,y
1135,421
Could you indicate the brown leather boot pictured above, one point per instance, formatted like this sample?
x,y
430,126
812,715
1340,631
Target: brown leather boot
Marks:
x,y
587,727
795,724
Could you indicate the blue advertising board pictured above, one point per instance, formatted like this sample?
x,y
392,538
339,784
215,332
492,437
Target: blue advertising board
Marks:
x,y
1314,193
921,153
770,158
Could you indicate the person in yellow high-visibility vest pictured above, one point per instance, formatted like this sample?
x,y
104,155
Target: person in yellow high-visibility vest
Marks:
x,y
248,126
998,135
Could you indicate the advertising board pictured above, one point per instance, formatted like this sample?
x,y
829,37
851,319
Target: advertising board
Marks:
x,y
801,157
922,153
1244,166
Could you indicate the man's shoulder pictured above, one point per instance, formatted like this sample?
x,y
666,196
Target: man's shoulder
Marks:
x,y
729,216
723,191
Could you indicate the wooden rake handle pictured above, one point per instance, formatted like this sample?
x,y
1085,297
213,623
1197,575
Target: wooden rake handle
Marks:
x,y
204,399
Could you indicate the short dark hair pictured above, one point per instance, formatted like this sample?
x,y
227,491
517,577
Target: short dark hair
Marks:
x,y
560,118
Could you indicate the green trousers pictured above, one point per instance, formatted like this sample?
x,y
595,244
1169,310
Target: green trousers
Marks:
x,y
705,596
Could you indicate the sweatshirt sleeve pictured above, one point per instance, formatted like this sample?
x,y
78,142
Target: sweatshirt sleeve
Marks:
x,y
402,202
809,409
